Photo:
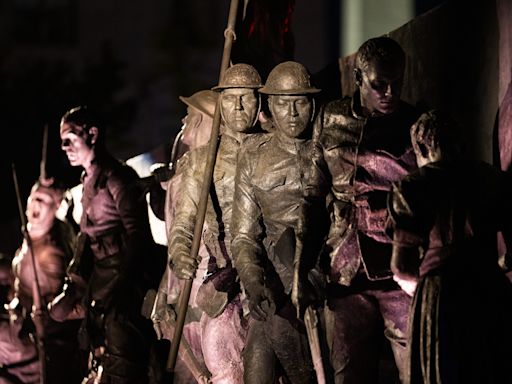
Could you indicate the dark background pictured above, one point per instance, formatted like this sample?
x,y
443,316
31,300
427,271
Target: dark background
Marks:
x,y
130,60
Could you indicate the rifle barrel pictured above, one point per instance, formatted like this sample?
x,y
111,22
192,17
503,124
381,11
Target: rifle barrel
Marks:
x,y
201,210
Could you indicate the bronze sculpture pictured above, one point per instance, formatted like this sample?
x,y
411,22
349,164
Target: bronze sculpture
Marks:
x,y
219,296
267,205
50,249
194,133
445,217
113,245
361,146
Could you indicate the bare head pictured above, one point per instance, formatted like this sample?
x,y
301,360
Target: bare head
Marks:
x,y
433,138
379,73
81,136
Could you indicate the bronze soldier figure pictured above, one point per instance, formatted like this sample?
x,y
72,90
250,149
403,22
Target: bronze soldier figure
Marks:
x,y
361,146
115,247
223,323
195,133
18,352
445,218
52,241
268,202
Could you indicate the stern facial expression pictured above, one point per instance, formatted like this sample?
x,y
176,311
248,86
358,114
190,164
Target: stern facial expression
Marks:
x,y
239,108
380,87
75,145
291,113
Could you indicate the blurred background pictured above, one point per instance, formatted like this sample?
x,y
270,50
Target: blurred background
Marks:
x,y
131,59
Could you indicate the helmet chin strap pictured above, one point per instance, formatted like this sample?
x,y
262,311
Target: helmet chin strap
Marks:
x,y
257,112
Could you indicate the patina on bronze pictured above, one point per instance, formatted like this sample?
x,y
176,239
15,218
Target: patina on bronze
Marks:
x,y
39,308
267,207
289,78
361,146
212,152
239,105
444,221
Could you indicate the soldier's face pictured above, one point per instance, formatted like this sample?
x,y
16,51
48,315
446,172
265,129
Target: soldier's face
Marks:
x,y
196,128
239,107
75,144
380,86
41,208
291,114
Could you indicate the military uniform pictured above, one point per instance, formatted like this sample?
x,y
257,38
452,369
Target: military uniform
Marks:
x,y
355,161
119,244
52,251
269,190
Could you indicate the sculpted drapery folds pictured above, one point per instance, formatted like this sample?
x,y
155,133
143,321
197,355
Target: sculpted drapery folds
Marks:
x,y
355,158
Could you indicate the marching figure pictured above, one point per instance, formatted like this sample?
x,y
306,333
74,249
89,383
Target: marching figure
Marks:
x,y
113,252
223,324
361,147
268,205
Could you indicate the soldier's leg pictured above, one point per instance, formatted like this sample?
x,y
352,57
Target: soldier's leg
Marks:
x,y
223,339
127,345
290,342
394,306
258,356
354,332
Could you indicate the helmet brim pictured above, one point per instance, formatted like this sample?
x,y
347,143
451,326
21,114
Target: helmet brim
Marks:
x,y
222,87
189,102
270,91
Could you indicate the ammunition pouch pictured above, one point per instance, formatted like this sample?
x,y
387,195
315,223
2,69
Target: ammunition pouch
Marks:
x,y
83,258
217,291
108,244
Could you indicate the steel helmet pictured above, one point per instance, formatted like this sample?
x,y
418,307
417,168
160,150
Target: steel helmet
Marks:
x,y
203,101
288,78
240,76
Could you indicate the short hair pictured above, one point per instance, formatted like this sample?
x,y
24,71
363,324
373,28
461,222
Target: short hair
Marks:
x,y
439,128
382,49
83,117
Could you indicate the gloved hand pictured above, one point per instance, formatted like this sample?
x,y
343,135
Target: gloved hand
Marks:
x,y
307,295
184,266
408,285
14,310
261,301
67,305
163,317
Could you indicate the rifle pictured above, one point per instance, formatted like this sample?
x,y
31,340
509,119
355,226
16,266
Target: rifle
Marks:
x,y
310,315
229,37
38,307
168,325
44,151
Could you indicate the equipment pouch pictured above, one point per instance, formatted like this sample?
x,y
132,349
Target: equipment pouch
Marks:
x,y
83,259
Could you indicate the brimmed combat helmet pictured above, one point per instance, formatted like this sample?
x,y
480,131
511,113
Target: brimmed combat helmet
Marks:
x,y
240,76
203,101
288,78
